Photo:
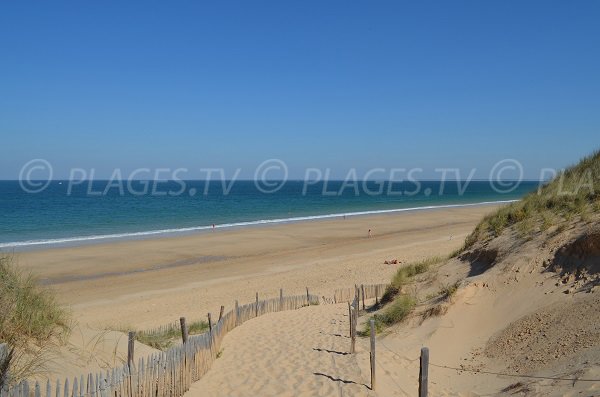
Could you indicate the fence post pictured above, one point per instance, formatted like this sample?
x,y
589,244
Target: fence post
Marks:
x,y
350,318
353,328
362,291
372,323
184,330
221,312
424,372
209,323
376,295
237,313
356,310
256,304
130,348
307,297
5,356
280,299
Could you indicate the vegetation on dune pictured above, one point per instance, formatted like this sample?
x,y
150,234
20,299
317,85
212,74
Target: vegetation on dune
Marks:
x,y
572,194
163,339
404,274
398,305
448,290
32,323
394,313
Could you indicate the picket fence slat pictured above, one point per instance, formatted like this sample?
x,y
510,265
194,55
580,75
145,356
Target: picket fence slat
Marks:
x,y
171,372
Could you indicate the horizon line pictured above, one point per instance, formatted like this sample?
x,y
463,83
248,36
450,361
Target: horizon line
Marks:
x,y
277,180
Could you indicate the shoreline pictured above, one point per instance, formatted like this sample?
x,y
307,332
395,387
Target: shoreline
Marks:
x,y
77,241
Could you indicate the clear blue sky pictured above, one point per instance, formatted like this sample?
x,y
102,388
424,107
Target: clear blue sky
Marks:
x,y
334,84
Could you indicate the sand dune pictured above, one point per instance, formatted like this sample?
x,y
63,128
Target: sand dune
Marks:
x,y
517,318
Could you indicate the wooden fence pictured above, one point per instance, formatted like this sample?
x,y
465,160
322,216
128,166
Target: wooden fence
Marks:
x,y
170,373
361,292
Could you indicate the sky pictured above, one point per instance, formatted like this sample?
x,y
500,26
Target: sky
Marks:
x,y
333,85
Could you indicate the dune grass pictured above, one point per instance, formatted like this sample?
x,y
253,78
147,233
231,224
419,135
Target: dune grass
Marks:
x,y
448,290
32,322
163,339
572,194
398,305
394,313
404,274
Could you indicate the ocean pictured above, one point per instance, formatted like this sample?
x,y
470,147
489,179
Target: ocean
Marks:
x,y
64,213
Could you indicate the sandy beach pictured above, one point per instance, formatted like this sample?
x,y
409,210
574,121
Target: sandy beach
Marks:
x,y
294,353
141,284
152,282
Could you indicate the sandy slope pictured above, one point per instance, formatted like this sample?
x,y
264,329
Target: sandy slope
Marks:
x,y
88,350
296,353
515,318
305,352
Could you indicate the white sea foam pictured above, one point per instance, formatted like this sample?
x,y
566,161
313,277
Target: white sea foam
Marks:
x,y
169,232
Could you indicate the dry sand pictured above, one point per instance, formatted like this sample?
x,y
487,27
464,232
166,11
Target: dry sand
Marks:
x,y
494,319
139,284
508,320
300,353
152,282
518,317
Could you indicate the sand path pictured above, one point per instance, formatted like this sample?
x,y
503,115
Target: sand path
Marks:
x,y
294,353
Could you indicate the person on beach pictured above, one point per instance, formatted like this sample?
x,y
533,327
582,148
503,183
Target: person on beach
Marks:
x,y
369,233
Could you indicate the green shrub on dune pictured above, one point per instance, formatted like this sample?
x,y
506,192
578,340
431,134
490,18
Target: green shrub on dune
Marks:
x,y
396,312
31,321
164,339
572,194
404,274
399,305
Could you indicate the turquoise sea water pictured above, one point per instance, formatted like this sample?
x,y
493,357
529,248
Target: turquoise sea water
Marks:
x,y
101,210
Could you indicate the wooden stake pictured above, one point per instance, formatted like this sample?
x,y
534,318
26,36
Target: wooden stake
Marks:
x,y
307,297
372,323
130,348
221,312
237,313
353,329
209,323
256,304
424,372
5,357
280,299
362,290
350,319
184,330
